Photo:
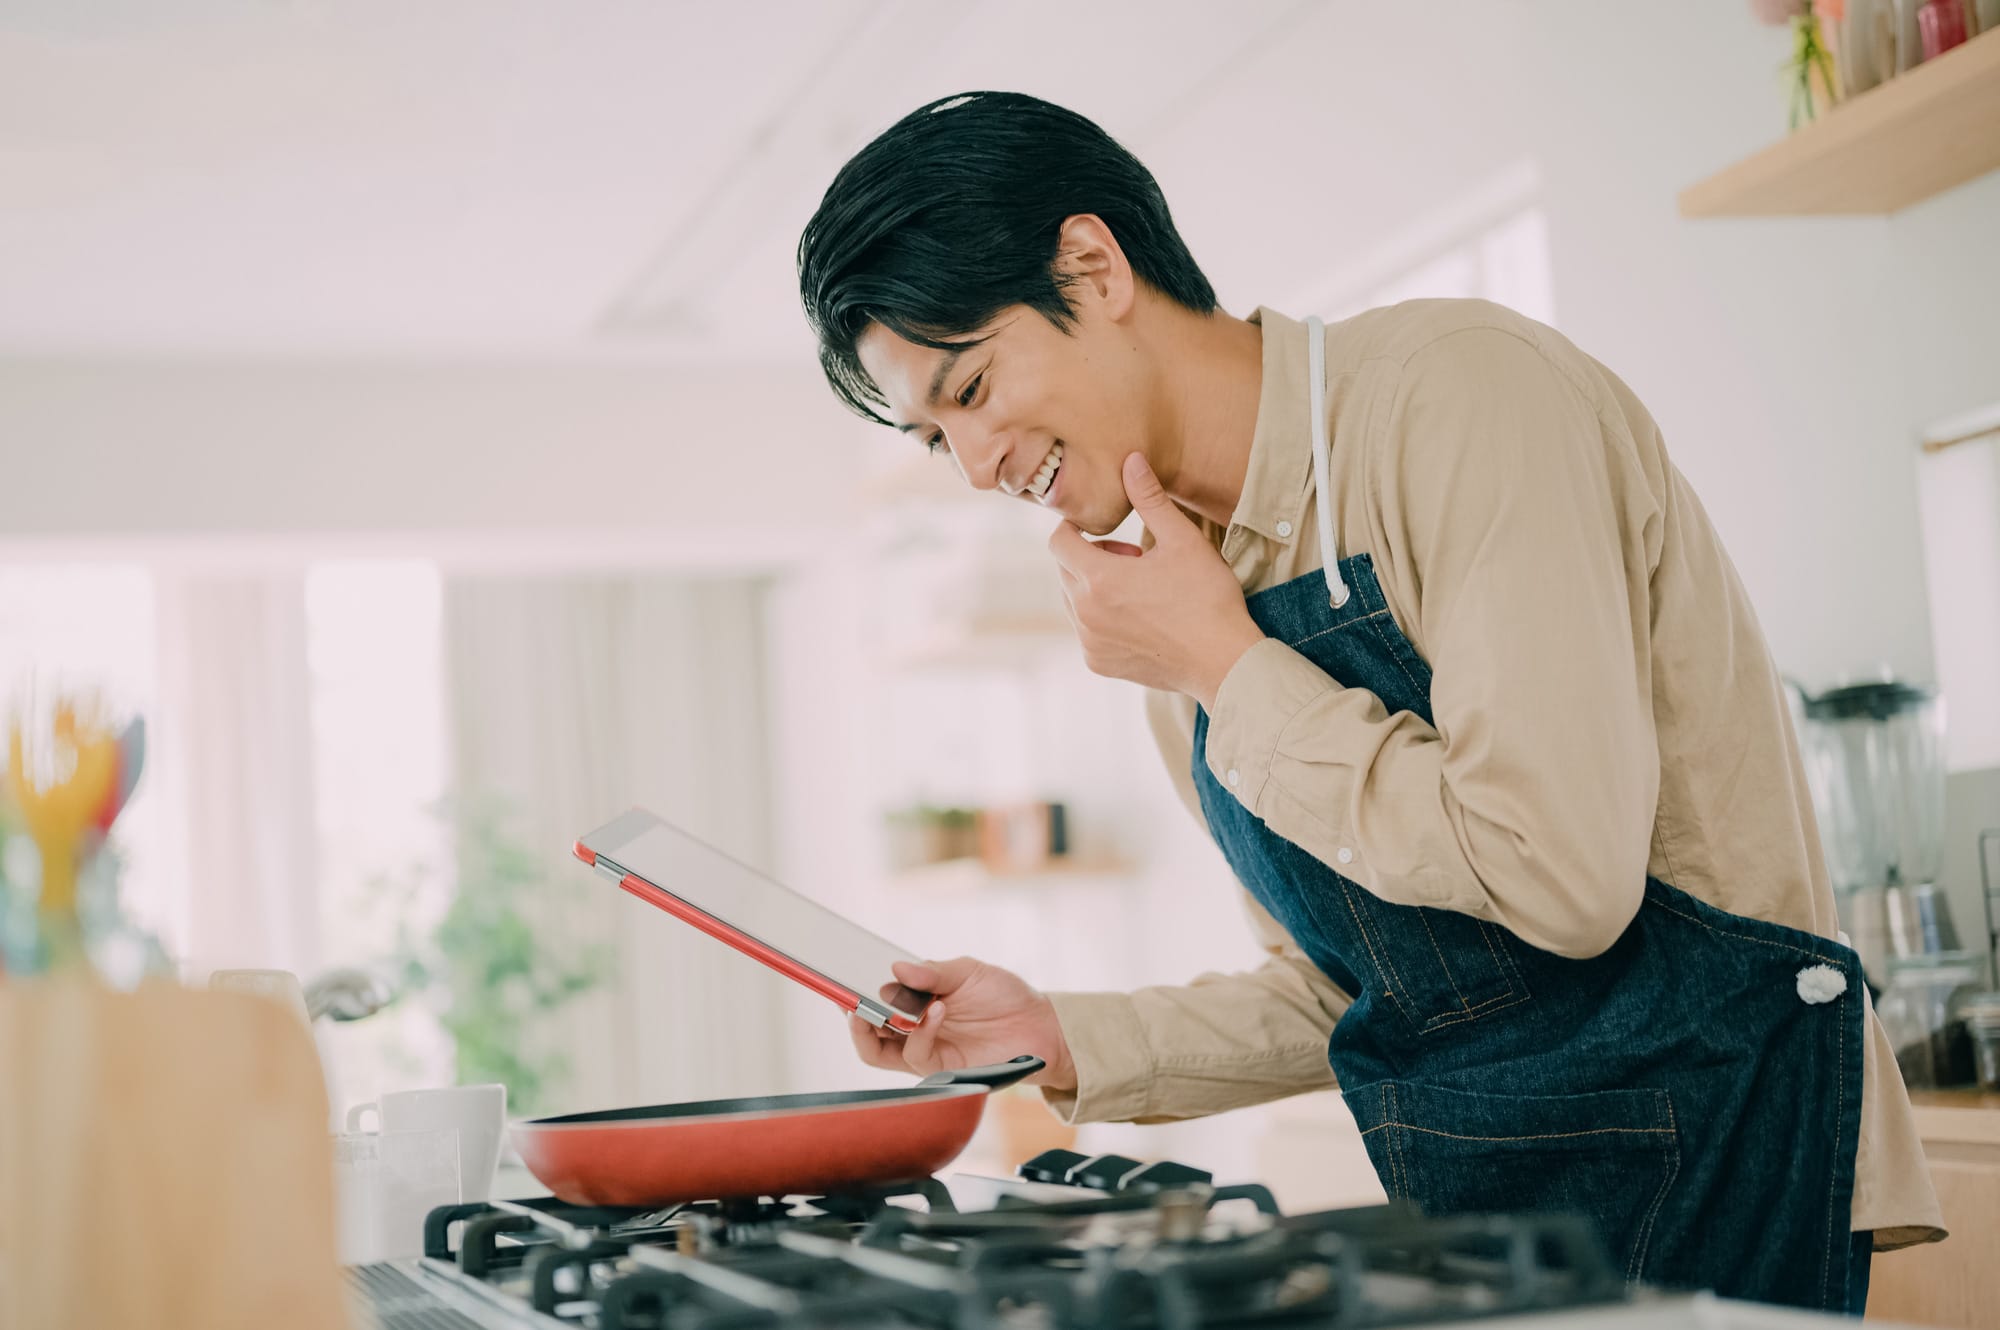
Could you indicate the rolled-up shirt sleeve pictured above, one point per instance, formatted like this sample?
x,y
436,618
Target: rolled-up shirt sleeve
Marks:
x,y
1187,1050
1530,800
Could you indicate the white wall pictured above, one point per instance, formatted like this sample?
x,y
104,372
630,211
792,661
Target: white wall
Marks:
x,y
558,461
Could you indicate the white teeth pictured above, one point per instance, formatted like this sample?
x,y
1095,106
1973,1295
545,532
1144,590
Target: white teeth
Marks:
x,y
1039,486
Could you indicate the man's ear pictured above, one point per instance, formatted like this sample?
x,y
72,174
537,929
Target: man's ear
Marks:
x,y
1091,257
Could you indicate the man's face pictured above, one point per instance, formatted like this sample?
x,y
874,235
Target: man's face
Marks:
x,y
1027,397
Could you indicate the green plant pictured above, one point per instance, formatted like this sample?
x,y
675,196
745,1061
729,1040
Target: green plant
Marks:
x,y
493,976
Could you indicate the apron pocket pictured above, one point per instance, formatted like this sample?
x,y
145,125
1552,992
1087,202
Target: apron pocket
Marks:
x,y
1439,969
1609,1157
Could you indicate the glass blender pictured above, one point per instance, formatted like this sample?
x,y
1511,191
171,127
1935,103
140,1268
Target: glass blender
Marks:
x,y
1874,755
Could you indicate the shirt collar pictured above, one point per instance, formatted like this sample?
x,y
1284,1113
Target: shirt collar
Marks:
x,y
1276,482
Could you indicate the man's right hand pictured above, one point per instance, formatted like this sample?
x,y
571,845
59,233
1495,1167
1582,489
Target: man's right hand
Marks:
x,y
979,1014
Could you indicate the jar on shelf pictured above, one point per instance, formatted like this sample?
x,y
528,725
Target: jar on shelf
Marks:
x,y
1924,1012
1982,1027
1941,25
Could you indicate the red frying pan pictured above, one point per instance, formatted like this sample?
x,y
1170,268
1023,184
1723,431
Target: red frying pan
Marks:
x,y
778,1145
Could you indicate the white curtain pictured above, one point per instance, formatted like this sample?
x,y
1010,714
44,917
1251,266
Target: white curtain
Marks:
x,y
573,699
230,758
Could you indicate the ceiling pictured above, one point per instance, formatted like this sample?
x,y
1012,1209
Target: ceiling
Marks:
x,y
479,178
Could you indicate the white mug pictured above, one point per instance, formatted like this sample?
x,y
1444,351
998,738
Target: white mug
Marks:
x,y
385,1184
479,1112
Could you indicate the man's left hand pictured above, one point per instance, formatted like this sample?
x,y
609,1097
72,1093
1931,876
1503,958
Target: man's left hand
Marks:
x,y
1172,617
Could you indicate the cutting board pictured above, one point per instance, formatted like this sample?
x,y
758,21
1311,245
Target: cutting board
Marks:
x,y
164,1162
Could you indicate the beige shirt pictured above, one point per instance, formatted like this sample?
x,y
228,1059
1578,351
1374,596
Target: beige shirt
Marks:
x,y
1606,708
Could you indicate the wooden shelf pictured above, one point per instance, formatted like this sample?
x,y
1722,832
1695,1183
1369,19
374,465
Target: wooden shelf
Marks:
x,y
1919,134
972,874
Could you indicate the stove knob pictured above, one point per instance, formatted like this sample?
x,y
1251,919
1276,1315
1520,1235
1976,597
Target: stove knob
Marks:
x,y
1050,1165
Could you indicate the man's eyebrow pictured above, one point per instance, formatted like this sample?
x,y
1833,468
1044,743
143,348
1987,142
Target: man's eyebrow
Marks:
x,y
944,368
937,380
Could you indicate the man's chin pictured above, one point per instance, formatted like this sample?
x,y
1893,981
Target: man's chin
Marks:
x,y
1100,525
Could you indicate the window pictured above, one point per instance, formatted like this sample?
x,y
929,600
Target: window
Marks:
x,y
1958,495
1489,243
380,773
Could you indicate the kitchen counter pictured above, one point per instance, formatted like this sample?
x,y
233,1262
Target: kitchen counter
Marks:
x,y
1968,1116
1954,1283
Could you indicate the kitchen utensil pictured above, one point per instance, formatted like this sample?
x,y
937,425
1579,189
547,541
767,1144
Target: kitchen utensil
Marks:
x,y
1982,1023
1874,755
769,1146
478,1113
1924,1014
384,1185
347,994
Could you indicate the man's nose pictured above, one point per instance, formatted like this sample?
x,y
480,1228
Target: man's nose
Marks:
x,y
980,456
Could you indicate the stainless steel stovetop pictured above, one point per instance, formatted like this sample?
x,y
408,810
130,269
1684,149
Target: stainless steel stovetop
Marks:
x,y
1158,1247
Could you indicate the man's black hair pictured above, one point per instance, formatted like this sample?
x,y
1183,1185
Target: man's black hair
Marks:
x,y
954,213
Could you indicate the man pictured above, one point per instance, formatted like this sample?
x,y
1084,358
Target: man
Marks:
x,y
1449,660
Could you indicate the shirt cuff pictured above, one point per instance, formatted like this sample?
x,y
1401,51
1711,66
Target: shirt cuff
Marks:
x,y
1114,1064
1268,686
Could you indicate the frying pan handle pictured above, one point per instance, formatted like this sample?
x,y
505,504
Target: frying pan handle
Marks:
x,y
997,1077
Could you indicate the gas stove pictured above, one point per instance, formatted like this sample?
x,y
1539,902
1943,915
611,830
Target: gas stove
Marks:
x,y
1148,1246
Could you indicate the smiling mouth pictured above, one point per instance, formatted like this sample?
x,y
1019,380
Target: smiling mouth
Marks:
x,y
1045,475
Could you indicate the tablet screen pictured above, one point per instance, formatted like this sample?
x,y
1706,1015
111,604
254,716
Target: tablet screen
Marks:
x,y
752,903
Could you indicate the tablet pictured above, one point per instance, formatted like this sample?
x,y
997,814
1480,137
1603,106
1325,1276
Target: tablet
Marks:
x,y
734,903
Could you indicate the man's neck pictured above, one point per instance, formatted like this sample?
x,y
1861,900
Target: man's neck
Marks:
x,y
1214,373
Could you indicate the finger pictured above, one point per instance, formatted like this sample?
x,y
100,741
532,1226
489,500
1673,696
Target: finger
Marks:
x,y
914,974
873,1048
1120,547
920,1049
1149,499
1069,547
941,977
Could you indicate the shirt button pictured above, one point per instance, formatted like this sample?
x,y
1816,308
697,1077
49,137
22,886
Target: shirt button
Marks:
x,y
1284,528
1345,856
1235,776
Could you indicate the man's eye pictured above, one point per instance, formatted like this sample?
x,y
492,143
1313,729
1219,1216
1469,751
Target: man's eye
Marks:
x,y
970,391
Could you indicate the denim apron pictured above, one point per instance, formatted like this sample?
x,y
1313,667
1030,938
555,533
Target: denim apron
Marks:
x,y
1695,1091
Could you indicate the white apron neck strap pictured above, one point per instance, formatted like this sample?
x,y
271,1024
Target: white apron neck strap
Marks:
x,y
1329,550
